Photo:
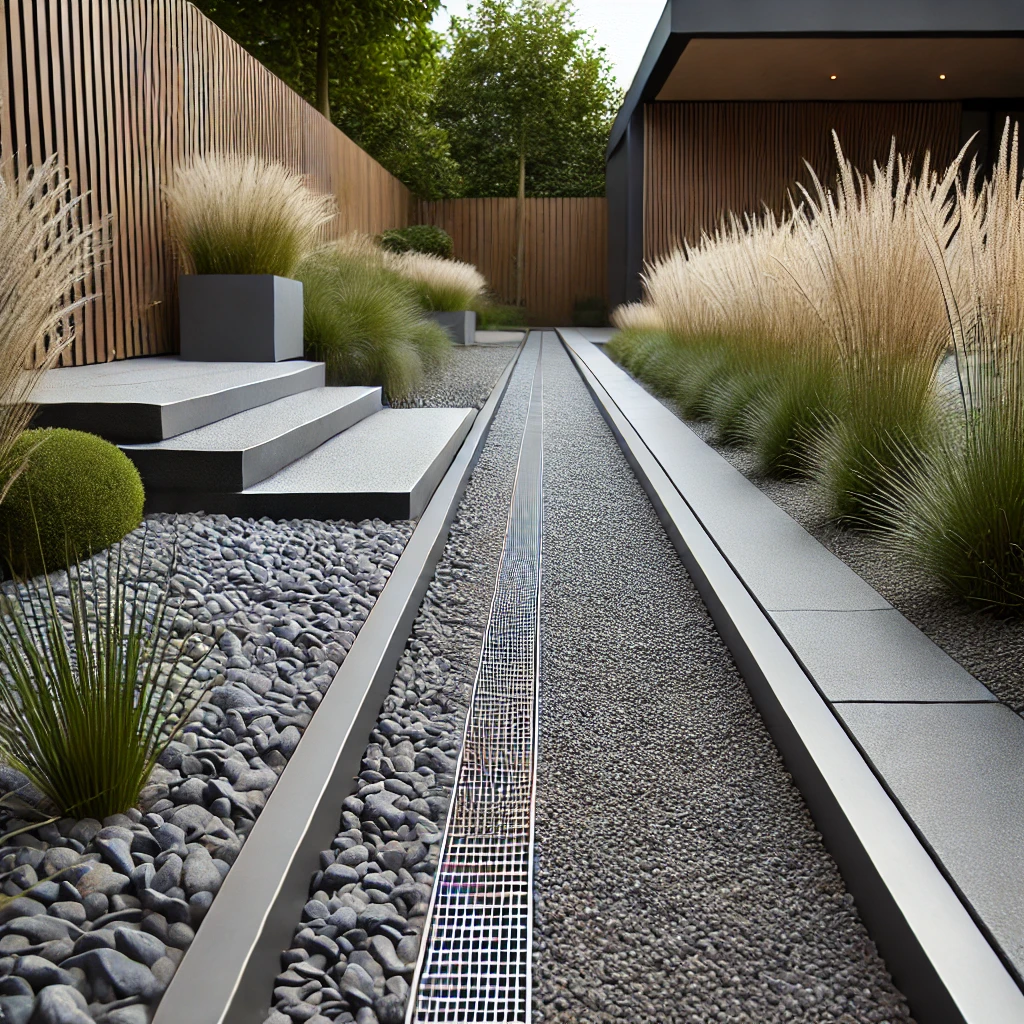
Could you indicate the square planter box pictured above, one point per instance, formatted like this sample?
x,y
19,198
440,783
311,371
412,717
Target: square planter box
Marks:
x,y
240,318
461,326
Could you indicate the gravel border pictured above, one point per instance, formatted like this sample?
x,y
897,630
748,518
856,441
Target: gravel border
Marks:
x,y
466,380
357,943
679,875
113,905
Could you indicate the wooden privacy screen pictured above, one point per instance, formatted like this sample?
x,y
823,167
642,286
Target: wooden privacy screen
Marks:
x,y
566,249
704,159
125,91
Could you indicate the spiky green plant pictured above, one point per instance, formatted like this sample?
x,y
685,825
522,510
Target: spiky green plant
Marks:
x,y
88,705
229,214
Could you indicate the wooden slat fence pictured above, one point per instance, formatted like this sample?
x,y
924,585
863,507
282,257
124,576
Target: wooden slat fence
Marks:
x,y
125,91
705,159
565,256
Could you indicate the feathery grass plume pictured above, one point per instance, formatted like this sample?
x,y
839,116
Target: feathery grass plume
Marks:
x,y
91,690
960,511
638,316
872,284
440,285
362,320
229,214
48,252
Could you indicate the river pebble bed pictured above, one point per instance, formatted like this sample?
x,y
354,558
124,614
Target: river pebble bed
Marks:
x,y
100,913
355,948
466,380
679,876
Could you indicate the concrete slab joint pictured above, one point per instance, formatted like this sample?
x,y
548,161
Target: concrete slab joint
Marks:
x,y
908,764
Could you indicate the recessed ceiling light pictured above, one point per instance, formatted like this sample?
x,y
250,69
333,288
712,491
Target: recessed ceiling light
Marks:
x,y
943,77
834,77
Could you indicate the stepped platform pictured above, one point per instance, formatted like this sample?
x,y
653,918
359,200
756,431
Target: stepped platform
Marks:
x,y
136,401
387,466
241,450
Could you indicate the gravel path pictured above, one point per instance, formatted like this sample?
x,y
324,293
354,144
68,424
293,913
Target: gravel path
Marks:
x,y
466,381
111,907
990,648
358,940
679,877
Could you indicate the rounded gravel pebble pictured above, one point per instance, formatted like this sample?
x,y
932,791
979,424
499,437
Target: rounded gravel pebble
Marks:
x,y
679,876
466,380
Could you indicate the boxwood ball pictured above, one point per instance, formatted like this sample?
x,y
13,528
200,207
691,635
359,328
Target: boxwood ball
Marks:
x,y
78,495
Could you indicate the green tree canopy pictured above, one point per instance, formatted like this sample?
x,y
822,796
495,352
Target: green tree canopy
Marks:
x,y
369,65
524,92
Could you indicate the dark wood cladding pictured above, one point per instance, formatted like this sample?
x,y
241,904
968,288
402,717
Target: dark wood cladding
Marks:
x,y
703,160
125,91
565,254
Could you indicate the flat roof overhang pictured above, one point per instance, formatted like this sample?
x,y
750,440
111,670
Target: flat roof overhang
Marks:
x,y
789,49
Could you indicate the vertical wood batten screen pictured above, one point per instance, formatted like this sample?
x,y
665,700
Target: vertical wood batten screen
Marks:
x,y
126,91
705,159
565,253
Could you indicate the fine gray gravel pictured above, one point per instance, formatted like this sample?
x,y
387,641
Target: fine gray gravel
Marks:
x,y
104,911
990,648
356,946
466,381
679,875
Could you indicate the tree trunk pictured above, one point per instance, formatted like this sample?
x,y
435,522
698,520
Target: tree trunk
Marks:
x,y
520,226
323,64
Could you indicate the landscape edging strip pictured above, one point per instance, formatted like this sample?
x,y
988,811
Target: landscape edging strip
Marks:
x,y
227,975
937,954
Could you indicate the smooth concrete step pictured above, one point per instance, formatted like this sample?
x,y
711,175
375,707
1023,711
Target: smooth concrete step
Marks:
x,y
139,401
386,466
241,450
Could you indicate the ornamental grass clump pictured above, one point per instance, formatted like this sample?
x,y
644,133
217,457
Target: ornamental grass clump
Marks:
x,y
229,214
959,510
872,284
440,285
362,319
91,688
48,252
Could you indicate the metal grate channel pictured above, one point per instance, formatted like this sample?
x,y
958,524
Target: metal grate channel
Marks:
x,y
475,960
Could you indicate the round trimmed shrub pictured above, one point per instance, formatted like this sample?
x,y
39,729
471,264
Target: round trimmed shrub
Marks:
x,y
425,238
78,495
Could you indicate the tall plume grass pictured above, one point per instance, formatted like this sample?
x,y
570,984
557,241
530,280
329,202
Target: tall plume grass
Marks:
x,y
48,252
441,285
959,512
230,214
872,283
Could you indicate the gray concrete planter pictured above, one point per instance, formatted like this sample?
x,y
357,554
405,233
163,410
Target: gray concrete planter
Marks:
x,y
461,326
240,318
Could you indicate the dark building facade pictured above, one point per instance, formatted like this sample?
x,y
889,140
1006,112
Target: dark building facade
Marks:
x,y
733,96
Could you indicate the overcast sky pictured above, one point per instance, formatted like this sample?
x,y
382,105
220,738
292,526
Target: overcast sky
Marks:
x,y
622,27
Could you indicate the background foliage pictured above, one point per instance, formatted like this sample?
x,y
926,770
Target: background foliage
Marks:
x,y
447,117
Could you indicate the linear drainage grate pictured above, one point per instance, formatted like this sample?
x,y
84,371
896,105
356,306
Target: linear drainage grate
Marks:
x,y
475,961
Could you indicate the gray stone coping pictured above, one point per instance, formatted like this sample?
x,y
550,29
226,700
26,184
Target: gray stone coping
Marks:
x,y
927,877
386,466
242,450
139,401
